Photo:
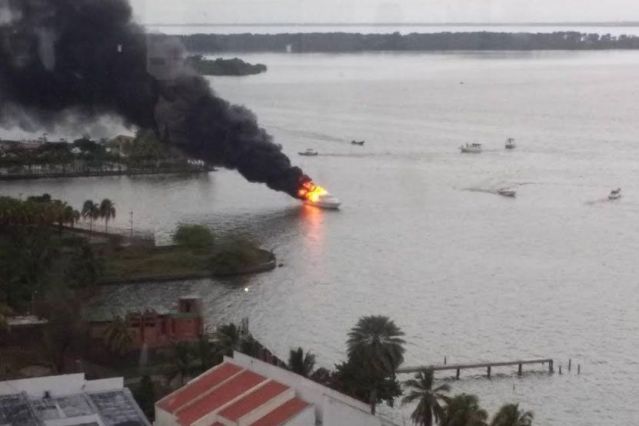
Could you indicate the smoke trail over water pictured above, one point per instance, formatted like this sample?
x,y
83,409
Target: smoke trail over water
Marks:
x,y
67,60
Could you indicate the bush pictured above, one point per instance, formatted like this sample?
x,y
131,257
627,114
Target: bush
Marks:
x,y
193,236
238,256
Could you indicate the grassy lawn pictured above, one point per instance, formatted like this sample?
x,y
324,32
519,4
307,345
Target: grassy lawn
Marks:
x,y
177,262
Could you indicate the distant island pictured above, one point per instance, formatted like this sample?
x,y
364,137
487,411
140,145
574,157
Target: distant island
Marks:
x,y
220,66
355,42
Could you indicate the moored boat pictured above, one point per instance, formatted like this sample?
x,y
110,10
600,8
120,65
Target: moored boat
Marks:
x,y
360,143
510,143
615,194
507,192
309,152
471,148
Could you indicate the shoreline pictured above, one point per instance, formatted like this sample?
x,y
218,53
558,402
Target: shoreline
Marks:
x,y
61,175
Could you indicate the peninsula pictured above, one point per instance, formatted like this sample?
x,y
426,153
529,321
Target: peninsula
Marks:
x,y
220,66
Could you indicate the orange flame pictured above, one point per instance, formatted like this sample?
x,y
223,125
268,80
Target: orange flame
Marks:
x,y
309,191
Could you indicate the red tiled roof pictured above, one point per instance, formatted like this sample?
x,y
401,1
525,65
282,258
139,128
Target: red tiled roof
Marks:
x,y
194,389
218,397
282,413
253,400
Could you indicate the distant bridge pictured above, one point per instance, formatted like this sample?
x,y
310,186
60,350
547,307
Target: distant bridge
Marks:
x,y
487,365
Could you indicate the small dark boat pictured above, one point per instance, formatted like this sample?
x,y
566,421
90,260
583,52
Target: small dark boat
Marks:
x,y
505,192
360,143
615,194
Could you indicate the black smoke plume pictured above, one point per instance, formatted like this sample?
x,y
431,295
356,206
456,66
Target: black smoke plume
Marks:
x,y
68,60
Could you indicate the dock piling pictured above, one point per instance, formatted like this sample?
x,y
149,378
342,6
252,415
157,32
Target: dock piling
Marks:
x,y
520,369
488,371
458,371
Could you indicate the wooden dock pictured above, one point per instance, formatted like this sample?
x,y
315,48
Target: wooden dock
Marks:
x,y
487,365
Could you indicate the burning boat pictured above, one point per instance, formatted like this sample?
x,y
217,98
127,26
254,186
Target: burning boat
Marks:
x,y
315,195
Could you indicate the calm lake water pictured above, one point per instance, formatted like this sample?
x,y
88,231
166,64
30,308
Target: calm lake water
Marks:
x,y
422,237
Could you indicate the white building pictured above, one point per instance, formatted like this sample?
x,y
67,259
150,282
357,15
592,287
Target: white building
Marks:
x,y
68,400
245,391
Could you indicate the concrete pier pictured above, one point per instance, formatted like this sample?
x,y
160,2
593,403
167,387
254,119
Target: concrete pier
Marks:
x,y
483,365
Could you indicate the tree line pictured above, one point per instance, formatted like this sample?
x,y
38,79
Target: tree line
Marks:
x,y
357,42
36,258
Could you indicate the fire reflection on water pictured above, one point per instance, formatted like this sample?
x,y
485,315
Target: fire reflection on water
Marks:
x,y
312,224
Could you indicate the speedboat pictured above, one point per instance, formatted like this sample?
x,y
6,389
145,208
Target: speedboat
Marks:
x,y
309,152
615,194
510,143
507,192
325,201
360,143
471,148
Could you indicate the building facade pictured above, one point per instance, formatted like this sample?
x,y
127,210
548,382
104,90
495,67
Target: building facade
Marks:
x,y
154,327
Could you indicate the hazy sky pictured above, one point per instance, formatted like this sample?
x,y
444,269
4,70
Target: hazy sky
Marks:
x,y
249,11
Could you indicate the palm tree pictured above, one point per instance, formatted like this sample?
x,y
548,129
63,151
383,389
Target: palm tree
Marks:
x,y
107,212
375,343
464,410
91,211
301,363
428,409
228,338
117,336
180,365
511,415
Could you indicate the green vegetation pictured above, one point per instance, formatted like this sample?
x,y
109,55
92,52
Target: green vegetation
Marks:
x,y
464,410
140,263
117,337
193,236
93,211
511,415
375,350
301,363
34,260
429,409
236,255
144,394
219,66
143,153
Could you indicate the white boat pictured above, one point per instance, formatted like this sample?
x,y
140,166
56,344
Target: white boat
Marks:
x,y
507,192
615,194
471,148
510,143
325,201
309,152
